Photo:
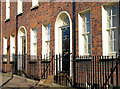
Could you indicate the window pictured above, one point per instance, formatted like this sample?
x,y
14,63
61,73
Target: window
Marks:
x,y
46,40
34,42
85,34
7,9
19,6
5,49
110,29
12,47
34,3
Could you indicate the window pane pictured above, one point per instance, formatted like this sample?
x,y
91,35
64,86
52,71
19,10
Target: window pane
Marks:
x,y
87,22
35,35
85,48
34,41
89,48
109,22
112,40
89,43
88,27
87,15
109,10
115,40
46,40
49,32
87,36
113,8
114,21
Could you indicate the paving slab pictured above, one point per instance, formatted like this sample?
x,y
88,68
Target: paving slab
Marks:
x,y
18,82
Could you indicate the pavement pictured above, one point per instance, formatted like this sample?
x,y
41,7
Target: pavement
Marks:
x,y
17,82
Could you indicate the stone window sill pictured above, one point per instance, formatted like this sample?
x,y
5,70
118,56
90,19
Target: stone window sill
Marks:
x,y
34,7
6,20
19,14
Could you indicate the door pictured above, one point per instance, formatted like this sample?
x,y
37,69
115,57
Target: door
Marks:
x,y
23,52
66,48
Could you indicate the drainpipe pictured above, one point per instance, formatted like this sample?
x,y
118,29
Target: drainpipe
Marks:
x,y
0,36
74,45
16,45
119,26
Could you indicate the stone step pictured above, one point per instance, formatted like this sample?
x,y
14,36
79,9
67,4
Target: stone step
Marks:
x,y
49,80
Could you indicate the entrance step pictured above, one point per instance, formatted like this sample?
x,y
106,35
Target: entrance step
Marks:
x,y
64,79
49,80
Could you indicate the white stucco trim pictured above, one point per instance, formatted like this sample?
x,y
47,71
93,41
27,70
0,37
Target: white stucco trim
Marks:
x,y
104,32
80,37
58,43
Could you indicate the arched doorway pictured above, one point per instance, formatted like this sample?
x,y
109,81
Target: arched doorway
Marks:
x,y
22,48
63,40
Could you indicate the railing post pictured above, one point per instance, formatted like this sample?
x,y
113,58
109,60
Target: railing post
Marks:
x,y
93,71
16,57
112,72
116,73
59,62
108,70
56,68
41,66
98,70
105,73
44,66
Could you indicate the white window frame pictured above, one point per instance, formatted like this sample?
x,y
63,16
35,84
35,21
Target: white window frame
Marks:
x,y
33,42
12,46
19,8
45,41
5,48
108,43
7,9
83,34
34,3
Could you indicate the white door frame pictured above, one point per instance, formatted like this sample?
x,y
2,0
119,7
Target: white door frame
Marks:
x,y
20,35
58,37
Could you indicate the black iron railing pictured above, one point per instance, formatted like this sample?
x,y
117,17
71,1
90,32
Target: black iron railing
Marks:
x,y
97,72
91,71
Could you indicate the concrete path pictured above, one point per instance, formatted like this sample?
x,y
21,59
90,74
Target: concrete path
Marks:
x,y
23,83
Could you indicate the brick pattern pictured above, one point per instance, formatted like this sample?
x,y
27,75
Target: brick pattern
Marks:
x,y
47,13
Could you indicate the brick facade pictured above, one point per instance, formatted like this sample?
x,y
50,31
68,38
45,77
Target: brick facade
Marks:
x,y
47,12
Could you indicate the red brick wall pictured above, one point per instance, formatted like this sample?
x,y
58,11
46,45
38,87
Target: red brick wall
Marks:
x,y
47,13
